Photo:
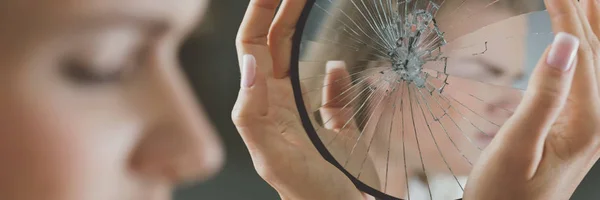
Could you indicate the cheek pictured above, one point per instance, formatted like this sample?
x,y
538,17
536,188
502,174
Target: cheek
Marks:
x,y
37,154
54,147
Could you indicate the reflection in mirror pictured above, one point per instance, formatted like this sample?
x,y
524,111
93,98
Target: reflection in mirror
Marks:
x,y
405,94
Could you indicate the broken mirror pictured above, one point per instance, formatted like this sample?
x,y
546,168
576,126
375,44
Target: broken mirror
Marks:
x,y
403,95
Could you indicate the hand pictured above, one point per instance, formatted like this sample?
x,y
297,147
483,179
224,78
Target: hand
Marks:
x,y
553,139
266,116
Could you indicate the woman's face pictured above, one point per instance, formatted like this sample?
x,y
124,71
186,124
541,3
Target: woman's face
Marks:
x,y
478,97
93,104
438,133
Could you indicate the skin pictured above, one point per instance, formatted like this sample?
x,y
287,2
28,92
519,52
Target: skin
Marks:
x,y
93,103
551,141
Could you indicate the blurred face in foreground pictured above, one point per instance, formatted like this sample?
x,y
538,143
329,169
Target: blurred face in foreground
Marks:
x,y
93,104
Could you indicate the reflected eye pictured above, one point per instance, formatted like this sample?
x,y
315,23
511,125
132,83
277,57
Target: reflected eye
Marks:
x,y
83,74
480,69
492,69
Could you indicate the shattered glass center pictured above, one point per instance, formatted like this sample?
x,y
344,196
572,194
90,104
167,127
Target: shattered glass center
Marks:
x,y
418,41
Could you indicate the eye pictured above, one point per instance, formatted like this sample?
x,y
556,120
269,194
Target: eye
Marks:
x,y
89,73
493,69
105,57
84,74
481,68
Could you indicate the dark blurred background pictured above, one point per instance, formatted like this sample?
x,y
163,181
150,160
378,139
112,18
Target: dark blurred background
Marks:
x,y
209,59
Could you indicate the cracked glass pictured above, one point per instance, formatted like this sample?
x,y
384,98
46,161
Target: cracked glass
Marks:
x,y
404,95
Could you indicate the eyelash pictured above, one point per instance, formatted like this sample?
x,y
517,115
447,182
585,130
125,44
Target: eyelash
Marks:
x,y
82,73
79,73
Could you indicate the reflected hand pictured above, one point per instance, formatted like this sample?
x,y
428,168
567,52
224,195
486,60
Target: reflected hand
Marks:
x,y
265,113
553,139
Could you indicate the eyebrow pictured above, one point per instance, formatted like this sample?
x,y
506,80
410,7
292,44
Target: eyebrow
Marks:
x,y
153,26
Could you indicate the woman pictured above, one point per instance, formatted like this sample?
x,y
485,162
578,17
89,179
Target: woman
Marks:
x,y
93,105
562,101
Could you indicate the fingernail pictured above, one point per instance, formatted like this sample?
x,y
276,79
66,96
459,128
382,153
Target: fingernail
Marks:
x,y
563,51
334,64
248,70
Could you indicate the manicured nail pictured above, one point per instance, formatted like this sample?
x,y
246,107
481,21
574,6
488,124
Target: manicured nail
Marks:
x,y
563,51
248,70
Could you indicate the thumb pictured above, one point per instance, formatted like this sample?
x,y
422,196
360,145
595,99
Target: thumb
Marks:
x,y
337,108
251,107
547,93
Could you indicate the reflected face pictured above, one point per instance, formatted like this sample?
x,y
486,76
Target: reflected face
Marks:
x,y
487,64
483,66
412,134
478,92
93,102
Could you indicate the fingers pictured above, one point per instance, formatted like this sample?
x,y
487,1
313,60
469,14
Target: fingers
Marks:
x,y
592,10
567,16
282,33
252,104
257,21
564,17
254,30
261,36
337,110
545,97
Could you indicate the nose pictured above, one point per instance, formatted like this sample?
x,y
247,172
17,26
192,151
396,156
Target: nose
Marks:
x,y
178,142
